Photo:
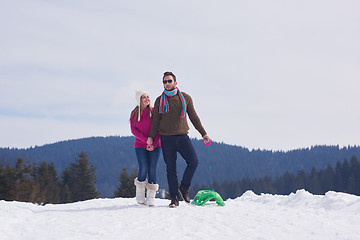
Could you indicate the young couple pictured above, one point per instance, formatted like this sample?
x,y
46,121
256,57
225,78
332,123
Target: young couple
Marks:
x,y
164,125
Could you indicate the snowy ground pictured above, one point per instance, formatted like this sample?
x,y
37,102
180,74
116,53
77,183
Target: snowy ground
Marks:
x,y
296,216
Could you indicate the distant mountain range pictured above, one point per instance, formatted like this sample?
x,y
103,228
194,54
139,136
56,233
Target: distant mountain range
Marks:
x,y
111,154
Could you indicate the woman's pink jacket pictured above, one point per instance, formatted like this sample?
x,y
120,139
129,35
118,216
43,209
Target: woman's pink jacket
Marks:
x,y
141,130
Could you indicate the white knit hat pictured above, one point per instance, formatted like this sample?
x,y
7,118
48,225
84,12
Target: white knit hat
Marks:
x,y
138,94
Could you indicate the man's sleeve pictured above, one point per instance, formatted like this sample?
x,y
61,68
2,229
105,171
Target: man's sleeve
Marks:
x,y
155,120
194,118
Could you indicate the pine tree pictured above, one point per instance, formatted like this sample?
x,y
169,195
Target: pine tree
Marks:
x,y
22,189
48,184
268,185
126,186
4,183
223,189
237,189
80,179
313,182
327,179
299,181
338,181
285,183
233,189
346,172
354,178
8,181
65,193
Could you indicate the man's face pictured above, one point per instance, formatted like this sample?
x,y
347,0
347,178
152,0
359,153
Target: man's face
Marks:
x,y
169,83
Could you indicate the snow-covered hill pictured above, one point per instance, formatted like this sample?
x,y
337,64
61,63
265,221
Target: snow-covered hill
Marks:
x,y
296,216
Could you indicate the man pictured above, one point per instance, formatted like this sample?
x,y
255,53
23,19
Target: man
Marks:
x,y
170,111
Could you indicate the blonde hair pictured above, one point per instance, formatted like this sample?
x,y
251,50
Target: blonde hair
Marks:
x,y
135,112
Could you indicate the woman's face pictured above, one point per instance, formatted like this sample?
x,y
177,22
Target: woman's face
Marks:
x,y
145,101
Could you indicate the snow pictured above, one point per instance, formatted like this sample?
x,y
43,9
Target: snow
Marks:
x,y
300,215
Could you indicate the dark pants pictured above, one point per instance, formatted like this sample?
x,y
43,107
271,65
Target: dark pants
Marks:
x,y
170,145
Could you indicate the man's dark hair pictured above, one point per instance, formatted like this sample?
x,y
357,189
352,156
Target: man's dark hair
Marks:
x,y
169,74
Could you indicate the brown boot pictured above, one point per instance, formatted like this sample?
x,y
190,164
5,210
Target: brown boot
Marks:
x,y
174,202
184,194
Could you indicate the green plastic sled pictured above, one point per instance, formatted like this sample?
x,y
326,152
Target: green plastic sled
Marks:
x,y
203,196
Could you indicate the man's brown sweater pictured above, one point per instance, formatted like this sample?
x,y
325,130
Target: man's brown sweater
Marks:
x,y
171,123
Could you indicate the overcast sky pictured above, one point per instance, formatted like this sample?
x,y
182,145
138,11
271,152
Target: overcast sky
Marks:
x,y
276,75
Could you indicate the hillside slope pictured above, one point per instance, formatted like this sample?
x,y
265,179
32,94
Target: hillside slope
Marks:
x,y
111,154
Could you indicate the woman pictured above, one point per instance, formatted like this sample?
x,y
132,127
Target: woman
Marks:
x,y
140,121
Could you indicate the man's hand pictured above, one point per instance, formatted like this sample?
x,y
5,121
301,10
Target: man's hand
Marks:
x,y
206,138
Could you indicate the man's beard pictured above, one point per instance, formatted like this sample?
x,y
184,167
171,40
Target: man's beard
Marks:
x,y
170,89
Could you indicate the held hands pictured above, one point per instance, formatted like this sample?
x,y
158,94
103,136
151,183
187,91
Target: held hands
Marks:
x,y
150,147
149,144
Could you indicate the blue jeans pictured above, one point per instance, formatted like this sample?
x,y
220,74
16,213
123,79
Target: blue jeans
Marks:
x,y
147,164
170,145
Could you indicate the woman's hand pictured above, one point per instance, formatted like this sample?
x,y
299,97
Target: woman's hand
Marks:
x,y
149,141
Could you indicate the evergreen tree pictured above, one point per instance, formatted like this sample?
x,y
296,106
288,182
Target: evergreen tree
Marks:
x,y
327,179
268,185
22,187
313,182
232,189
354,178
7,182
80,179
4,184
47,180
352,185
53,187
65,193
247,184
237,191
219,188
285,183
126,186
224,188
338,182
345,172
299,182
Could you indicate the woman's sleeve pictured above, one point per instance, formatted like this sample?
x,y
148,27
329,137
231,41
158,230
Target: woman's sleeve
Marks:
x,y
137,133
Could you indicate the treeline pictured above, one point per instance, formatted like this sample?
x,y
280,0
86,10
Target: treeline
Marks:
x,y
344,178
41,184
111,154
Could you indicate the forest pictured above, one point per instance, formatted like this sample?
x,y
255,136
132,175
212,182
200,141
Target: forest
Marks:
x,y
230,163
41,184
344,178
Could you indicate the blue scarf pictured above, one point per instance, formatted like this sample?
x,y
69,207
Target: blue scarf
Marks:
x,y
164,103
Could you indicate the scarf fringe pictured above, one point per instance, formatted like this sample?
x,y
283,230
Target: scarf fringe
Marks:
x,y
164,103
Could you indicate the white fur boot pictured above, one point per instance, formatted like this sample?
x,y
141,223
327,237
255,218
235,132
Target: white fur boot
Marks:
x,y
140,191
150,194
